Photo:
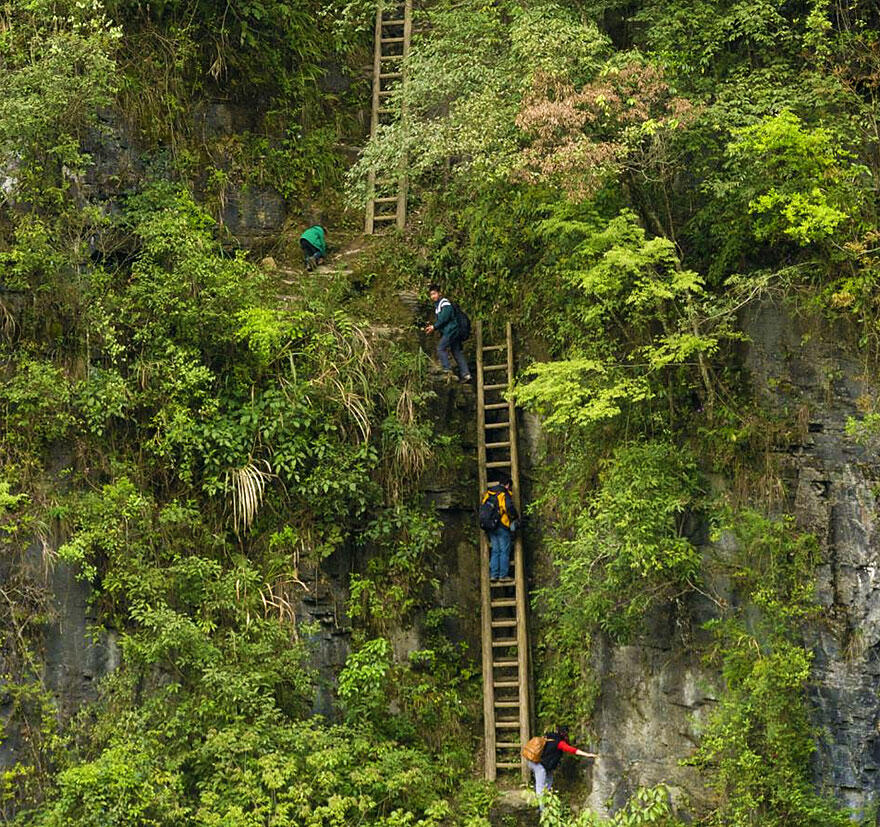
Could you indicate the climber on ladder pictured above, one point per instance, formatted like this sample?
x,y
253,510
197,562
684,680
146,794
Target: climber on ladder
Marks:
x,y
498,518
449,321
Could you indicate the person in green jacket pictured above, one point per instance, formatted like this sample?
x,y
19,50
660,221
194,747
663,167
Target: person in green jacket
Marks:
x,y
447,326
314,246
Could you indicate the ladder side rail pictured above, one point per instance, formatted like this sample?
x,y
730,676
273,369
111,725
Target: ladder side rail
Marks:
x,y
522,636
374,121
485,597
403,183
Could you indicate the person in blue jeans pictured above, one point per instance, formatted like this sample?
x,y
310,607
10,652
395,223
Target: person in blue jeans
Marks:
x,y
446,325
501,537
543,769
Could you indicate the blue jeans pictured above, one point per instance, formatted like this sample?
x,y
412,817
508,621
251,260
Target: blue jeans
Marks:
x,y
543,780
500,541
446,344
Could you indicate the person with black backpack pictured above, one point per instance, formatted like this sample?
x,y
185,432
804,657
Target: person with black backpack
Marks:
x,y
454,327
545,763
498,518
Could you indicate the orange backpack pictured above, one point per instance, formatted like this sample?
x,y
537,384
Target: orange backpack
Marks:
x,y
534,748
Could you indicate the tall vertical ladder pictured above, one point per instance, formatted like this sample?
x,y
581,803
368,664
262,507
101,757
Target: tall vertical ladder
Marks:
x,y
386,197
506,698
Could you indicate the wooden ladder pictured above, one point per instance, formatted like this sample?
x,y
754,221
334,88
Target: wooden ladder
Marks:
x,y
386,197
506,696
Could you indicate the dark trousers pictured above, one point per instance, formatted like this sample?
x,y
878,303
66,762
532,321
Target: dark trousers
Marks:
x,y
444,346
310,250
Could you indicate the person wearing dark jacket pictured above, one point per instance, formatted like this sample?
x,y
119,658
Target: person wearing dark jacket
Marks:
x,y
446,325
501,538
557,744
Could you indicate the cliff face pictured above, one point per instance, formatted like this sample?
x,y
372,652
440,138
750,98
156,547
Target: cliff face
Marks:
x,y
655,694
831,482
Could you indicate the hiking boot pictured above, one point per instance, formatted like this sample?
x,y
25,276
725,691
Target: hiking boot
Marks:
x,y
465,379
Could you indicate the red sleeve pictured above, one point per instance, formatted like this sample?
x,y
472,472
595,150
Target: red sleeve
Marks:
x,y
566,747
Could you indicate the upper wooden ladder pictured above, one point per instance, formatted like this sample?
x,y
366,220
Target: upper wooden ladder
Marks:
x,y
506,698
386,197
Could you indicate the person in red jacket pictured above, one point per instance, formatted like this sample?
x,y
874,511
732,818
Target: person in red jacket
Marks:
x,y
557,744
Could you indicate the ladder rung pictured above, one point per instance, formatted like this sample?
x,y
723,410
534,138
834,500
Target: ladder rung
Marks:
x,y
502,366
505,464
497,445
503,603
390,57
385,199
494,387
386,75
497,425
503,624
507,704
507,745
501,584
495,406
507,765
392,40
384,217
505,684
506,663
506,724
510,642
494,347
384,110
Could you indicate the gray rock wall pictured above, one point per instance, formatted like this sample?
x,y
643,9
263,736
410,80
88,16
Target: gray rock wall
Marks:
x,y
655,695
810,374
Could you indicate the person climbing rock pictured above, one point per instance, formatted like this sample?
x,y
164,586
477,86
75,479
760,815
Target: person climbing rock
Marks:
x,y
314,246
446,324
543,769
498,518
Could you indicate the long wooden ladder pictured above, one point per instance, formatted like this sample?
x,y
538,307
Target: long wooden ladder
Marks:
x,y
506,701
386,197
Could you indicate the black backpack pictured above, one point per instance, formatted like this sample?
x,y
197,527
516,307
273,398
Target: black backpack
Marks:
x,y
490,513
462,321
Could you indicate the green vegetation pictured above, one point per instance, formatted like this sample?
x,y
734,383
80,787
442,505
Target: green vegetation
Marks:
x,y
627,181
196,438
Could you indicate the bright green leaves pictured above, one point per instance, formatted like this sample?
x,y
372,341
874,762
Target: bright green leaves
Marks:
x,y
800,183
639,315
121,787
804,216
265,331
35,402
579,392
405,538
362,683
647,806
